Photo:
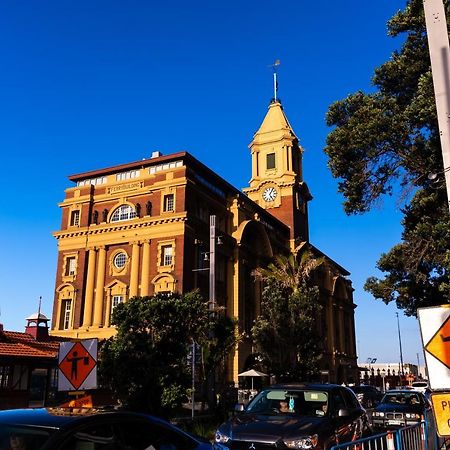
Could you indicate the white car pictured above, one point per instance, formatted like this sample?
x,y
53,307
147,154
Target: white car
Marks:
x,y
420,386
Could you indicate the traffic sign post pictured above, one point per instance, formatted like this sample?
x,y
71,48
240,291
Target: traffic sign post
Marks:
x,y
77,364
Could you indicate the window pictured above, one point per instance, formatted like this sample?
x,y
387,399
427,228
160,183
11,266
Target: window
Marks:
x,y
70,266
124,212
167,253
75,218
270,161
169,203
127,175
120,260
115,301
5,375
66,310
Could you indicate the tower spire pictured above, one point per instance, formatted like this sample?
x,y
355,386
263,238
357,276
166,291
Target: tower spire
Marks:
x,y
275,82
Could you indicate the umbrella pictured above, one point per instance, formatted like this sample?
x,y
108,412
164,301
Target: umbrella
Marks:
x,y
252,373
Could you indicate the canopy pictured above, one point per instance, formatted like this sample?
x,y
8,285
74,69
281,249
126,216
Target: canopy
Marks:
x,y
252,373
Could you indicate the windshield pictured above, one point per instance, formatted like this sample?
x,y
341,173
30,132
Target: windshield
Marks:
x,y
22,438
294,402
402,398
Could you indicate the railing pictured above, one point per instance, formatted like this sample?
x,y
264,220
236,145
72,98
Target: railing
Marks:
x,y
415,437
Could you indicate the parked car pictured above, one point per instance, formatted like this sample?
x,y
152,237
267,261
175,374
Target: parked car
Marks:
x,y
368,396
58,429
301,416
400,408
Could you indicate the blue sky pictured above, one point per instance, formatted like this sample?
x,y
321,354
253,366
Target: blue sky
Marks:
x,y
91,84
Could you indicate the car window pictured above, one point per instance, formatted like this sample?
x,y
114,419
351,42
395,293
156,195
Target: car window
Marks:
x,y
149,436
93,437
350,399
338,401
28,438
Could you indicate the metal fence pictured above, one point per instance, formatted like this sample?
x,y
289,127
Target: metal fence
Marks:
x,y
415,437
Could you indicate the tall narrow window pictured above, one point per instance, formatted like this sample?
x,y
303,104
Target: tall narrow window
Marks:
x,y
270,161
75,218
169,204
66,309
70,266
116,299
5,375
166,255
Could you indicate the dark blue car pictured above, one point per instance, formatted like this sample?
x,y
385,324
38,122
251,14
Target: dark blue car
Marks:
x,y
90,429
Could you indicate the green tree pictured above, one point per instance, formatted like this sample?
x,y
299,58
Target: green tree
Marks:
x,y
285,332
386,143
145,364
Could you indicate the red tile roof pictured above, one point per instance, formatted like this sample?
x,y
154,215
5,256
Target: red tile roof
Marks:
x,y
22,350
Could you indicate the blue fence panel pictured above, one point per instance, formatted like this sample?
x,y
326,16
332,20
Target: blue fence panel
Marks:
x,y
415,437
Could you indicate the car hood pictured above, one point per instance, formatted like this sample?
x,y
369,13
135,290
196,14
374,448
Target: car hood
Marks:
x,y
267,428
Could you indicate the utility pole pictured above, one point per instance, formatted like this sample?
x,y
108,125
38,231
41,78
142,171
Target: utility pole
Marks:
x,y
436,26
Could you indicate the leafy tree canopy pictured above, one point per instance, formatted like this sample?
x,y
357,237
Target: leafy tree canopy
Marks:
x,y
387,142
145,363
285,332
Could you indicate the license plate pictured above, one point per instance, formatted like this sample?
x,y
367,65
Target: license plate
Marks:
x,y
394,422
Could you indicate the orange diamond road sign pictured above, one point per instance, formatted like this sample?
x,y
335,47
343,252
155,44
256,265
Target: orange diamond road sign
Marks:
x,y
439,344
435,330
76,364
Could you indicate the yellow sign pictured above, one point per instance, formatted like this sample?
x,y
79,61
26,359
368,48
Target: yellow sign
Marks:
x,y
441,408
439,344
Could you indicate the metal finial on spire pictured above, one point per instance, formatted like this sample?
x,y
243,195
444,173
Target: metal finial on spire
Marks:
x,y
275,82
39,309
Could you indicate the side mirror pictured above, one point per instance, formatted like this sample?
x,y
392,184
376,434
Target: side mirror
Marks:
x,y
239,407
343,412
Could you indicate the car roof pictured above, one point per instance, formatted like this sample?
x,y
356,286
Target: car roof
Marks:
x,y
59,417
403,391
303,386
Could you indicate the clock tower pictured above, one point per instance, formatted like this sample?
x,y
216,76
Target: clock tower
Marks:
x,y
277,180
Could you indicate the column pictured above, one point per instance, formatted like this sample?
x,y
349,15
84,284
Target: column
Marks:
x,y
99,287
134,278
89,298
145,274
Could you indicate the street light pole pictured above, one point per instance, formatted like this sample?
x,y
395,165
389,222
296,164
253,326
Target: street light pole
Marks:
x,y
400,344
212,263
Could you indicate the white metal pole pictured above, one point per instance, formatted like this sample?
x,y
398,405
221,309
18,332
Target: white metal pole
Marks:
x,y
436,25
212,262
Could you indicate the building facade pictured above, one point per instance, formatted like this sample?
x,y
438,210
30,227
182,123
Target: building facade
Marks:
x,y
145,227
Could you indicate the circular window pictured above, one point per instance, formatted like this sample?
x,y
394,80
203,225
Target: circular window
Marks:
x,y
120,260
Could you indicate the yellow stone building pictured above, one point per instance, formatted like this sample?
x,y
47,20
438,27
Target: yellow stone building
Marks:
x,y
145,227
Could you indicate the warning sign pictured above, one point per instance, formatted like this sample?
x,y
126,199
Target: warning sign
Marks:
x,y
435,330
77,365
441,408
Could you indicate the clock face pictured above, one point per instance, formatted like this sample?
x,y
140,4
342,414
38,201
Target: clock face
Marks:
x,y
269,194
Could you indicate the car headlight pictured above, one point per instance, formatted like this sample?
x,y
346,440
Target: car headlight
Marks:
x,y
221,437
412,416
306,442
378,414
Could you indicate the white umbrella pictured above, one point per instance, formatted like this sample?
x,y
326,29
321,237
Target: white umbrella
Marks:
x,y
252,373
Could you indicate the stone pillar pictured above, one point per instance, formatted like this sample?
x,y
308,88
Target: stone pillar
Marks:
x,y
145,274
100,285
89,298
134,278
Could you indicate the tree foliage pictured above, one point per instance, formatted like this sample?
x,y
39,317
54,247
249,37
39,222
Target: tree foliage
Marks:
x,y
386,143
145,364
285,332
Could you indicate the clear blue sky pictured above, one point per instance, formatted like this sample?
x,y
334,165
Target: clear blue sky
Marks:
x,y
91,84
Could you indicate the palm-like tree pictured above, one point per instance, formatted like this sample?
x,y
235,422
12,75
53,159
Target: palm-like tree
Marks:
x,y
290,271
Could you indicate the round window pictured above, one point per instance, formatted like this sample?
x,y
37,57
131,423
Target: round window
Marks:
x,y
120,260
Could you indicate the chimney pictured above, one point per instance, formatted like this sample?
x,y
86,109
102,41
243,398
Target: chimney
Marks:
x,y
156,154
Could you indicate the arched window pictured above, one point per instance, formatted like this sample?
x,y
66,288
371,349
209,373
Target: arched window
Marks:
x,y
124,212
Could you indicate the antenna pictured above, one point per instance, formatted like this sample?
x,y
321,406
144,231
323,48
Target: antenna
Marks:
x,y
275,82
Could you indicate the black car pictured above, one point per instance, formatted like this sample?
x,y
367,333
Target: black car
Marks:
x,y
58,429
299,416
400,408
368,396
